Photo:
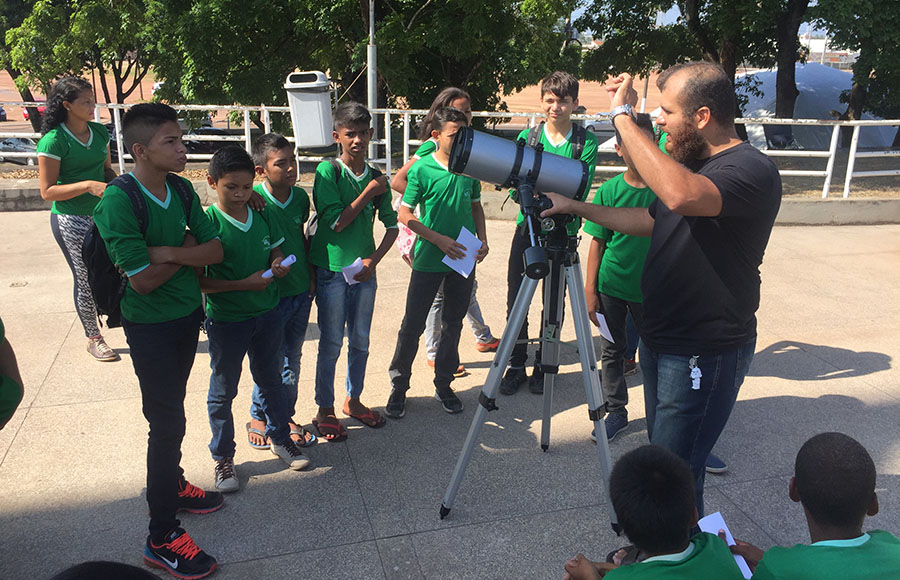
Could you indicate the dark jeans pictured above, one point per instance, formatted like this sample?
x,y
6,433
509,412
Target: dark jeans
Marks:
x,y
259,338
634,338
163,354
612,354
687,421
423,286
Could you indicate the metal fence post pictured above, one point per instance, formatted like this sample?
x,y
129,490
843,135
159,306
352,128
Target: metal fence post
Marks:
x,y
247,138
387,146
266,118
832,153
851,160
405,138
120,150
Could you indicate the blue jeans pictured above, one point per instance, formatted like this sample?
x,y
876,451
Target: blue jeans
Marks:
x,y
260,339
474,317
342,305
688,422
294,314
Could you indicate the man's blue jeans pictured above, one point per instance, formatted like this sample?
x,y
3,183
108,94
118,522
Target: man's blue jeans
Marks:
x,y
686,421
342,305
260,339
294,313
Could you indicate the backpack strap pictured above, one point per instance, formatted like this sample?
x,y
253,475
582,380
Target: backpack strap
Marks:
x,y
579,136
534,135
185,193
127,183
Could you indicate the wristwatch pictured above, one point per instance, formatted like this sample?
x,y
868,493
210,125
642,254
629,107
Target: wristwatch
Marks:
x,y
621,110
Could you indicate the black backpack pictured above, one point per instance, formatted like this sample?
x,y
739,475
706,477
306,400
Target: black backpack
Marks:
x,y
579,136
107,282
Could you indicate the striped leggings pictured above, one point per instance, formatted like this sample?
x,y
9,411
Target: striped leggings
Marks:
x,y
69,232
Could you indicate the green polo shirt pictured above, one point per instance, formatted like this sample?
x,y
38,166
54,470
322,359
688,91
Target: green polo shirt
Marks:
x,y
426,148
332,194
247,246
10,390
872,555
623,259
166,224
707,557
445,206
290,217
78,161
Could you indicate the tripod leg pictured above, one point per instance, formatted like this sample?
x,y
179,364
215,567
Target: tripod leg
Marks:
x,y
554,306
489,391
596,404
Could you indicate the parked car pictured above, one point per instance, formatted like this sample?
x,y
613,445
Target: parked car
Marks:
x,y
41,109
18,145
207,147
2,114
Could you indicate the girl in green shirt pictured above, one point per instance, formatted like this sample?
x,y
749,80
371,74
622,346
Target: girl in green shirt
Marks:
x,y
75,166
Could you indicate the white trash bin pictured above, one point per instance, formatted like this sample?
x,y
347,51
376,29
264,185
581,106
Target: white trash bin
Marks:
x,y
309,96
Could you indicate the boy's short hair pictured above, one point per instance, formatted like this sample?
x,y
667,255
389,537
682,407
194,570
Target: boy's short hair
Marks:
x,y
834,476
446,115
266,144
230,159
644,123
351,114
652,492
142,121
706,85
561,84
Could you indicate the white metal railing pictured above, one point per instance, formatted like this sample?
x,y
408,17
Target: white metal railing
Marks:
x,y
408,117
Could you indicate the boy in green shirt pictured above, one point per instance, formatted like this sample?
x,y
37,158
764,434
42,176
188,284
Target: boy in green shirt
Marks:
x,y
612,283
447,203
347,196
242,318
161,317
652,492
288,207
558,135
834,481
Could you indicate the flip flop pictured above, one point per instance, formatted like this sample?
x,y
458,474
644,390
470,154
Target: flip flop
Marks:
x,y
370,418
251,430
632,555
331,429
302,433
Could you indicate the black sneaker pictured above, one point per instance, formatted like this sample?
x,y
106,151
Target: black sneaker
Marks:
x,y
536,382
449,401
396,405
615,424
512,380
629,367
194,500
179,556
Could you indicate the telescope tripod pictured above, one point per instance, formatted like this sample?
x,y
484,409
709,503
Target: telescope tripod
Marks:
x,y
564,272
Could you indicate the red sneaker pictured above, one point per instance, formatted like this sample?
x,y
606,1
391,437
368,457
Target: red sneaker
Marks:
x,y
487,346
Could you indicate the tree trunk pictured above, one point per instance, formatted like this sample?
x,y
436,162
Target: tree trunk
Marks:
x,y
34,116
101,72
786,29
855,104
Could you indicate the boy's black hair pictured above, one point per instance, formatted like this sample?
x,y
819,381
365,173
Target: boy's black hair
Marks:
x,y
652,492
229,160
351,114
266,144
706,85
834,476
446,115
561,84
104,571
643,121
142,121
65,89
443,99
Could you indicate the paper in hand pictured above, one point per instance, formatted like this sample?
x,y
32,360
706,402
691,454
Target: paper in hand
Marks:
x,y
712,524
466,264
351,271
604,327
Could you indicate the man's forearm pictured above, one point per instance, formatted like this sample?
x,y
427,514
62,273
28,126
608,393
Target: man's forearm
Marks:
x,y
635,221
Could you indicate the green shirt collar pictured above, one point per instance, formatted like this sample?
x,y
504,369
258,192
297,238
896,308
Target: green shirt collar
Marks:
x,y
679,557
274,199
77,140
162,204
851,543
243,226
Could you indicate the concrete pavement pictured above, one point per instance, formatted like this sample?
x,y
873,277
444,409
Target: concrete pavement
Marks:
x,y
72,469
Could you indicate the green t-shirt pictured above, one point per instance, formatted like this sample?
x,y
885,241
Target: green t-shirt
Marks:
x,y
166,225
588,155
247,246
10,390
623,260
290,217
332,194
78,161
445,206
709,558
426,148
872,555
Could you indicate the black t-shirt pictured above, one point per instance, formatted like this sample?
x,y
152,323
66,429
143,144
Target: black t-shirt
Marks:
x,y
701,278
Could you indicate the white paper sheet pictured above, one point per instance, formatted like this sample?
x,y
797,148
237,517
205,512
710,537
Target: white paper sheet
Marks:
x,y
715,522
351,271
466,264
604,328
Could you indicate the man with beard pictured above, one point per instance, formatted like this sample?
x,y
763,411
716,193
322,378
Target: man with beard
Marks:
x,y
717,202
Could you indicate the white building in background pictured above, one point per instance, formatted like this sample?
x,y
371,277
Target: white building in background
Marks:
x,y
821,52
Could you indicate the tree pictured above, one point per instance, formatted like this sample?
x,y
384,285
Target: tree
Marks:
x,y
59,38
11,15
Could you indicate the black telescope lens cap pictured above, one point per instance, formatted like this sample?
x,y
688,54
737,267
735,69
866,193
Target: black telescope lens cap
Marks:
x,y
461,149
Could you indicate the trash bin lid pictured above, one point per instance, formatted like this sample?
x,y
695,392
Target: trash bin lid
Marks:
x,y
307,80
